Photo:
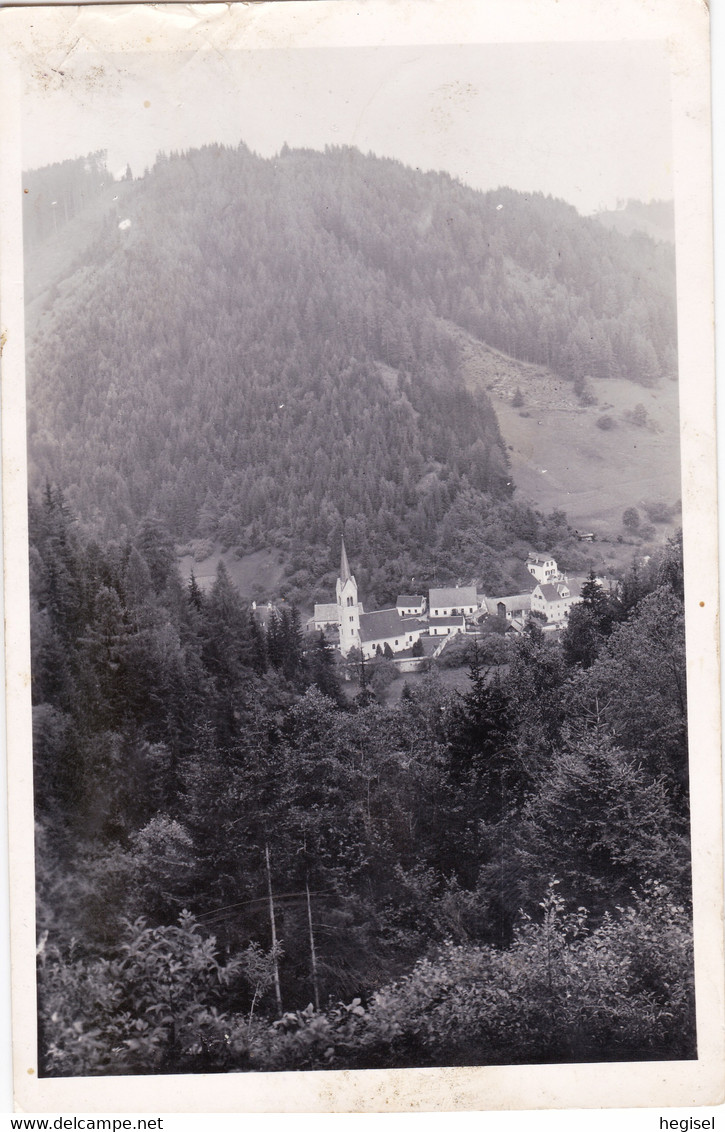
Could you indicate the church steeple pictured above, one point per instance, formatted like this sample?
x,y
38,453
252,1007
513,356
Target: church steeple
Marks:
x,y
345,573
348,608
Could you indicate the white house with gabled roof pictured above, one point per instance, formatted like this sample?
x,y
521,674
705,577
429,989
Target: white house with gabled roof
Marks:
x,y
543,567
410,605
451,601
554,600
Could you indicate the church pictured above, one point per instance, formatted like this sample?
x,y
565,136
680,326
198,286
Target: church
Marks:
x,y
399,627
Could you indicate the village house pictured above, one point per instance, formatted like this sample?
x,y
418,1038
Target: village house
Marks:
x,y
543,567
410,605
554,600
452,601
513,608
326,616
446,626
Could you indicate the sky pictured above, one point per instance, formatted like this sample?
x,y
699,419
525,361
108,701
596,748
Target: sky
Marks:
x,y
587,122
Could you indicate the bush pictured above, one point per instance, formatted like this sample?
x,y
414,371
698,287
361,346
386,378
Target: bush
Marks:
x,y
456,653
153,1008
566,991
494,649
606,423
203,549
638,416
584,391
658,512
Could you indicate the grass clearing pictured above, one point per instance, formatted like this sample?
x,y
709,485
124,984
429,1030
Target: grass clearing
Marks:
x,y
559,456
257,576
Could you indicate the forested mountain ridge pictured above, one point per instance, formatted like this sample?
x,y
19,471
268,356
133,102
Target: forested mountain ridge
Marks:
x,y
264,355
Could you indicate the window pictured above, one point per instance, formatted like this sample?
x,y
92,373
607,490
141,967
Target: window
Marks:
x,y
352,617
396,642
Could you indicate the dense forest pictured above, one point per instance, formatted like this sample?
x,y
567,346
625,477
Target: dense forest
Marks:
x,y
239,868
267,353
57,193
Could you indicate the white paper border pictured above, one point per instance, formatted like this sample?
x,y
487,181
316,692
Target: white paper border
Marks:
x,y
683,25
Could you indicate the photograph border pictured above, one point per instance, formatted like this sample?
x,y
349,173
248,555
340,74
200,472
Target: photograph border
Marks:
x,y
30,37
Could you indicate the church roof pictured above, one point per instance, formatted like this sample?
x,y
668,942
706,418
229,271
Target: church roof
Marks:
x,y
345,572
452,595
384,624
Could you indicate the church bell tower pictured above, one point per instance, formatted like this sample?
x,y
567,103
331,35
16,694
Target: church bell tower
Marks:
x,y
348,608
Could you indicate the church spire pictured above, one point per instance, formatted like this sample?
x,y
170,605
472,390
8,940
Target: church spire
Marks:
x,y
344,565
348,607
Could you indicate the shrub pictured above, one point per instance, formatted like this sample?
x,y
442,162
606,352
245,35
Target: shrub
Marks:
x,y
455,654
658,512
153,1008
566,990
584,391
203,549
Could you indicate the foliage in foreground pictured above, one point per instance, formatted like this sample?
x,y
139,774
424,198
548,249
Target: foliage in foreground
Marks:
x,y
563,992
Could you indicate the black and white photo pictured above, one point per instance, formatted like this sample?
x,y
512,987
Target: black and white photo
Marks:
x,y
359,494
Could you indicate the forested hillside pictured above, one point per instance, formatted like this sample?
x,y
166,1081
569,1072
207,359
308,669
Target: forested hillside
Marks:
x,y
267,353
238,870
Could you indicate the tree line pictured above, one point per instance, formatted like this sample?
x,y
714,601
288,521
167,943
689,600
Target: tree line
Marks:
x,y
239,868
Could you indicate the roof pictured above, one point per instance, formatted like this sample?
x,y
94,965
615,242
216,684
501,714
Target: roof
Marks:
x,y
345,573
329,612
387,623
511,601
540,559
459,620
550,592
453,595
410,599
